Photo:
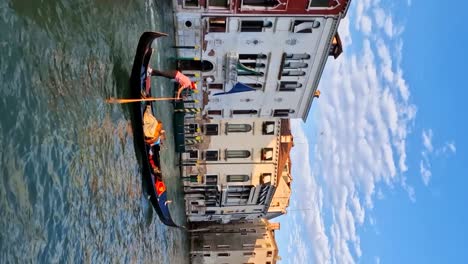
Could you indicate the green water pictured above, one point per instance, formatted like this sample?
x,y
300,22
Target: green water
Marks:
x,y
70,184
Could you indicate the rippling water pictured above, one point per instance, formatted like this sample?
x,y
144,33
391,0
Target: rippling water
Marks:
x,y
70,184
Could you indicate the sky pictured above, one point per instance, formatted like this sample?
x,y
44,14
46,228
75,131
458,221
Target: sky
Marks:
x,y
386,179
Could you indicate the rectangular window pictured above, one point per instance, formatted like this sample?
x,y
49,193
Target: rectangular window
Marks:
x,y
237,154
191,3
216,86
217,24
251,26
269,254
223,254
211,179
190,128
319,3
252,56
215,112
282,112
268,128
267,154
193,154
211,129
218,3
261,3
211,155
255,25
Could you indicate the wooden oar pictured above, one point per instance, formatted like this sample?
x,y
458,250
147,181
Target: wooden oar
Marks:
x,y
113,100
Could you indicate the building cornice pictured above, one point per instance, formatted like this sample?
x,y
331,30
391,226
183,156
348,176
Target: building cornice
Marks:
x,y
321,68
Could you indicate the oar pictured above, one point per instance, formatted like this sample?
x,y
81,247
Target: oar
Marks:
x,y
113,100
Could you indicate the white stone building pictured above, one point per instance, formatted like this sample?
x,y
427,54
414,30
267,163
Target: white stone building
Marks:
x,y
233,173
241,242
276,47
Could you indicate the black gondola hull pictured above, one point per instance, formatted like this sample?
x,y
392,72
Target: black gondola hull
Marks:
x,y
140,83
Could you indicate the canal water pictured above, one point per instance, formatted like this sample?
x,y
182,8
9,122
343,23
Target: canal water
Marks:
x,y
70,184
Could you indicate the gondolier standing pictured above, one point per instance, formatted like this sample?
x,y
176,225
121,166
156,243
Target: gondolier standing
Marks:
x,y
184,81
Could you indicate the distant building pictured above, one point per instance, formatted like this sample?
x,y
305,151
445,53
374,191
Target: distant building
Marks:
x,y
278,48
234,243
280,200
233,173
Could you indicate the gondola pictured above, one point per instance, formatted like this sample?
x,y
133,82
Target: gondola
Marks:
x,y
140,83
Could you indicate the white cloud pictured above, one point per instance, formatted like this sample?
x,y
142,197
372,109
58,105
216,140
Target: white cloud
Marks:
x,y
307,189
377,260
344,32
425,172
427,140
365,116
379,16
388,26
366,25
429,152
449,147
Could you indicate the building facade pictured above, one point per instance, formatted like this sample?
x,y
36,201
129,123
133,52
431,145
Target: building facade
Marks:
x,y
276,48
232,174
241,242
280,200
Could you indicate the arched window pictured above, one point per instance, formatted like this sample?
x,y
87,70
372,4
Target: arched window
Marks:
x,y
289,86
237,154
297,56
238,128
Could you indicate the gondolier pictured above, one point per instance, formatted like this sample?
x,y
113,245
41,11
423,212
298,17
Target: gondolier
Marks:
x,y
184,81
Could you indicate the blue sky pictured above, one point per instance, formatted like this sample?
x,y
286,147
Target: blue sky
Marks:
x,y
386,179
